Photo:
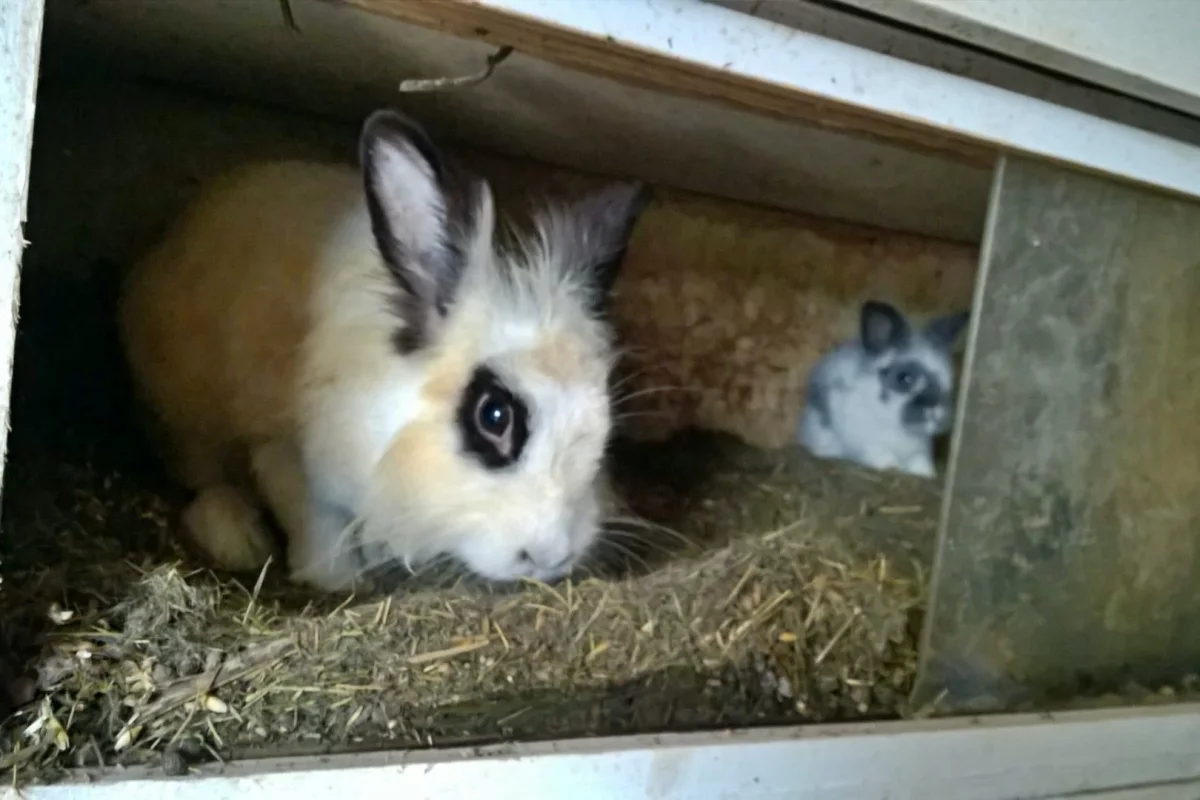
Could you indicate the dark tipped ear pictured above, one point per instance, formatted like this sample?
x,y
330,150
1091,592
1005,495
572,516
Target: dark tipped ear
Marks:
x,y
420,208
944,331
605,220
882,327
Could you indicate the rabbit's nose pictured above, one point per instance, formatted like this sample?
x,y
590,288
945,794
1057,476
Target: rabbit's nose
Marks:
x,y
549,557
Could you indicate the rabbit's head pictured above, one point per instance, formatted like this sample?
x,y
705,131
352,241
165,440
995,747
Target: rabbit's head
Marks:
x,y
500,465
914,366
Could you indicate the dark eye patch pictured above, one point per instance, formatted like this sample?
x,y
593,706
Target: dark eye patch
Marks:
x,y
904,376
492,420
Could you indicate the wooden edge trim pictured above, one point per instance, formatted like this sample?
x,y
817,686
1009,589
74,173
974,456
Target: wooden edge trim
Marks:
x,y
642,68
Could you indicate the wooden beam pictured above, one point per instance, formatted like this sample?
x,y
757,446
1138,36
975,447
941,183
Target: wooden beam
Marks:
x,y
699,49
635,66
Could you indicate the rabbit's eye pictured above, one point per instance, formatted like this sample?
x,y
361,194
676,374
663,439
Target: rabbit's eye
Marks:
x,y
901,379
492,420
495,415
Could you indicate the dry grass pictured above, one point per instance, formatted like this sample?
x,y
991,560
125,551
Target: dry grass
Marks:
x,y
794,598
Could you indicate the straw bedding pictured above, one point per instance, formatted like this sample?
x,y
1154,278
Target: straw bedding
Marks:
x,y
776,590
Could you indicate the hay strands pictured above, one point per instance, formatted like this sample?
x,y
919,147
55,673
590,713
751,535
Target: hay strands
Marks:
x,y
467,646
254,659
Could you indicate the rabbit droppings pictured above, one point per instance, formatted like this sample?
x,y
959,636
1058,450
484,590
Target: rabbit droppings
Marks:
x,y
882,399
355,352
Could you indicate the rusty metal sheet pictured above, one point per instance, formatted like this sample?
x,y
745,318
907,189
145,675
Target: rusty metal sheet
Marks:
x,y
1069,556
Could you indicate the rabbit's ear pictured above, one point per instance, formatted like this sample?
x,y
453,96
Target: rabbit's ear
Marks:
x,y
590,236
882,327
422,214
944,331
607,221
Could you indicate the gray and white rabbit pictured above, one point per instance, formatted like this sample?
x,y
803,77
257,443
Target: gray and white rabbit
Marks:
x,y
351,350
882,399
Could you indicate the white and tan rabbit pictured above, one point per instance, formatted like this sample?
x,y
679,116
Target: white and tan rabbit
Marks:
x,y
882,399
352,351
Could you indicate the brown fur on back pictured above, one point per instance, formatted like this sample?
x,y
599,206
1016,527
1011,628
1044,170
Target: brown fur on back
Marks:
x,y
214,318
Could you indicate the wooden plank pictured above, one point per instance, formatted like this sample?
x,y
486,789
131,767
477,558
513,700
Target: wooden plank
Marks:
x,y
1069,551
1123,755
20,44
347,61
881,34
693,47
1144,48
1184,790
587,51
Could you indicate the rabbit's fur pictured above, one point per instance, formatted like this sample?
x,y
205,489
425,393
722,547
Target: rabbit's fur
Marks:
x,y
882,399
351,350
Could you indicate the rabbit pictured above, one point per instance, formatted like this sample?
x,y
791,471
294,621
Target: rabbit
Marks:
x,y
350,351
882,399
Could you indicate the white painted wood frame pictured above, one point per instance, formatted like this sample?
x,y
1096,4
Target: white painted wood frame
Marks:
x,y
1147,754
1102,755
1143,48
20,44
843,75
